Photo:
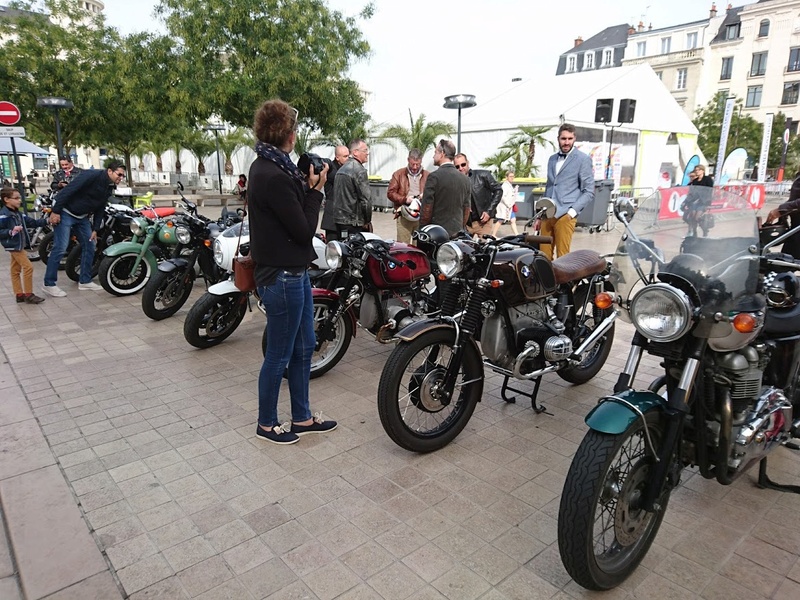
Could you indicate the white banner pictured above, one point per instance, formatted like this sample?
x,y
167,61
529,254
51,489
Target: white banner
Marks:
x,y
764,156
723,136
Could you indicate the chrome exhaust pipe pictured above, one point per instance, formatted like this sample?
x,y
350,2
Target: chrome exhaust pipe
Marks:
x,y
594,337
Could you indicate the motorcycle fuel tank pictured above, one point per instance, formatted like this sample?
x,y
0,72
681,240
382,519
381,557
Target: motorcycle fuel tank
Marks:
x,y
408,265
526,274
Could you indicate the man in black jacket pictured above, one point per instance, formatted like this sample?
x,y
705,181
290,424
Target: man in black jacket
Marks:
x,y
353,208
65,174
341,154
486,195
80,206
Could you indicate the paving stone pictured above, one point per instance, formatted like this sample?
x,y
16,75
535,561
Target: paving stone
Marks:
x,y
229,535
247,556
130,551
230,590
268,578
266,518
144,573
9,589
23,449
174,533
188,553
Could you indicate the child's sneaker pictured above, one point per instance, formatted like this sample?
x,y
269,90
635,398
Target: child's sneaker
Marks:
x,y
318,425
279,434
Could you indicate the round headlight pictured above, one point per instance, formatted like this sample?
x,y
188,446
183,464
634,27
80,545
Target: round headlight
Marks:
x,y
137,227
334,252
449,257
183,235
661,313
218,254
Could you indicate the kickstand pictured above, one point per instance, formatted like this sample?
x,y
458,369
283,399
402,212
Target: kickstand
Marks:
x,y
513,399
765,482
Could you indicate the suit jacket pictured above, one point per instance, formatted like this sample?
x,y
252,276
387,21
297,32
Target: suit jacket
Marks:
x,y
446,199
573,187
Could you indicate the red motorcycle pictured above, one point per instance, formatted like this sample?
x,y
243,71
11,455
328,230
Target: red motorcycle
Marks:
x,y
379,285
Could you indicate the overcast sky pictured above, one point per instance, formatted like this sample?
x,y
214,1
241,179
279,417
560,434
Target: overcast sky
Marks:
x,y
423,50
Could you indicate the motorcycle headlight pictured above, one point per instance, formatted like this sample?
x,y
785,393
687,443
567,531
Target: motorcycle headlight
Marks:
x,y
182,234
450,259
334,254
137,226
661,313
218,254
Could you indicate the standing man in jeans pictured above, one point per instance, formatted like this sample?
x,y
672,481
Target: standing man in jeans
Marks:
x,y
80,206
486,195
570,185
405,190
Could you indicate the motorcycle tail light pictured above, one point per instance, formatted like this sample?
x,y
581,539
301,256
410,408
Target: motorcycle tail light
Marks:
x,y
603,300
744,323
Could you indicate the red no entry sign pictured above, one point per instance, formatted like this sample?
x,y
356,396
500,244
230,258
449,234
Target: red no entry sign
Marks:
x,y
9,113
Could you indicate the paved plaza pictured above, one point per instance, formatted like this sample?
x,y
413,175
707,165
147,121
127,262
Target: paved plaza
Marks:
x,y
129,467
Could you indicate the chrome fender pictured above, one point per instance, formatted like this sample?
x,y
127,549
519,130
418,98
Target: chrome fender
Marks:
x,y
614,414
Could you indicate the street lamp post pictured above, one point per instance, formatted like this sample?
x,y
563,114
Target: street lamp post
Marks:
x,y
216,128
56,104
459,101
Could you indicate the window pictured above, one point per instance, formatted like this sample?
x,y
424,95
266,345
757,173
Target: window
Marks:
x,y
665,45
570,64
691,40
641,48
794,60
723,98
759,64
607,56
727,68
680,82
588,60
732,31
753,96
763,28
791,91
660,75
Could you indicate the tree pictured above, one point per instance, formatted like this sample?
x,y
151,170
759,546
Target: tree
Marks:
x,y
230,142
252,50
200,144
523,147
420,135
744,131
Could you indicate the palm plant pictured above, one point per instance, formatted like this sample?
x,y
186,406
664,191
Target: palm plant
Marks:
x,y
420,135
157,147
522,145
500,161
200,144
230,142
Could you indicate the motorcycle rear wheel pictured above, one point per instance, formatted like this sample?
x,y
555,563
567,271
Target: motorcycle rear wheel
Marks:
x,y
329,352
72,265
602,535
594,359
410,412
46,247
213,318
115,274
166,293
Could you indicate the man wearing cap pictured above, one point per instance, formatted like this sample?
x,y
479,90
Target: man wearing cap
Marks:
x,y
446,197
405,192
570,185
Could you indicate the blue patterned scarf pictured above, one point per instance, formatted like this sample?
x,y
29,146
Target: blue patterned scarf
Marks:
x,y
280,158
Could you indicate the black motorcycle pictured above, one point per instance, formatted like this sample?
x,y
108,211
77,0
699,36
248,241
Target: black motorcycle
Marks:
x,y
116,228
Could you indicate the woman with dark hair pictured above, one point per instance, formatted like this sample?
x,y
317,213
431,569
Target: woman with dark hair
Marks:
x,y
284,209
240,189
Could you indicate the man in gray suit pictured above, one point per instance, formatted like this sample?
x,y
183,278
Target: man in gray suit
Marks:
x,y
447,194
570,185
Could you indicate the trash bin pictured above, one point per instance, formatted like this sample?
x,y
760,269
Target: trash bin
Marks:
x,y
530,190
595,213
380,201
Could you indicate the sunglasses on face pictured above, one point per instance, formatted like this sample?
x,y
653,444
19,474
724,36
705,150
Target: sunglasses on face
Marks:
x,y
462,165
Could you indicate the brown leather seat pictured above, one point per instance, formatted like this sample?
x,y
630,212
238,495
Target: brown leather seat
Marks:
x,y
577,265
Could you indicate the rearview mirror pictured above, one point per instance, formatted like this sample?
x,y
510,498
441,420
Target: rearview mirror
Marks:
x,y
547,206
624,209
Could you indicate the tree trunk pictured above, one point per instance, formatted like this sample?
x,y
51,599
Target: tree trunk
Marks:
x,y
159,164
201,168
178,166
228,166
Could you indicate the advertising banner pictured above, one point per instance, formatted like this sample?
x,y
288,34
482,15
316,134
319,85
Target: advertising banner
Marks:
x,y
672,199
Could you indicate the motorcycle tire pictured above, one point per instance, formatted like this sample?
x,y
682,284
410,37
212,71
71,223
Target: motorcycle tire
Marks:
x,y
594,359
115,274
72,265
166,293
46,246
329,353
411,416
214,318
602,536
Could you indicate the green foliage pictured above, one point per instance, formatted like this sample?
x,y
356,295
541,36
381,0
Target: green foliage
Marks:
x,y
251,50
420,135
745,131
230,142
200,144
518,152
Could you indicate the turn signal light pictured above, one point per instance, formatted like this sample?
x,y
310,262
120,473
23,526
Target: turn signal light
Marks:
x,y
744,323
496,283
441,277
603,300
207,243
170,224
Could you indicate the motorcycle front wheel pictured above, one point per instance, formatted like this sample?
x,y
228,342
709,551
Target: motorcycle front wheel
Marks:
x,y
116,277
166,293
328,353
412,411
72,265
603,535
213,318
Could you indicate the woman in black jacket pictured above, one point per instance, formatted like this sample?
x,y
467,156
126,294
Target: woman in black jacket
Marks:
x,y
284,209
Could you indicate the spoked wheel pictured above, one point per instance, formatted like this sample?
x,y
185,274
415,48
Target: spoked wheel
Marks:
x,y
72,265
213,318
167,292
414,409
46,247
603,533
116,277
327,352
595,358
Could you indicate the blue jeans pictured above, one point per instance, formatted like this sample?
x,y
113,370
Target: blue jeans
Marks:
x,y
61,235
290,344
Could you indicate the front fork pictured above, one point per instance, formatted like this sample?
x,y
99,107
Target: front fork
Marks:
x,y
467,328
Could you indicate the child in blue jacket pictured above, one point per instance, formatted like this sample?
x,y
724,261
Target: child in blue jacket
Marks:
x,y
14,238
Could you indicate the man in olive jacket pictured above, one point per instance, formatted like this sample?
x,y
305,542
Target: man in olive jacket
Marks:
x,y
446,198
352,202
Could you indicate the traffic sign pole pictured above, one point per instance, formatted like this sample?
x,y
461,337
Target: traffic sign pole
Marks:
x,y
10,115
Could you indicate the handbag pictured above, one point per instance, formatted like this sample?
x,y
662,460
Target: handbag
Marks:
x,y
244,267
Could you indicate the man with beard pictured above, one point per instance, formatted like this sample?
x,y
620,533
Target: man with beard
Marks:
x,y
405,192
446,198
